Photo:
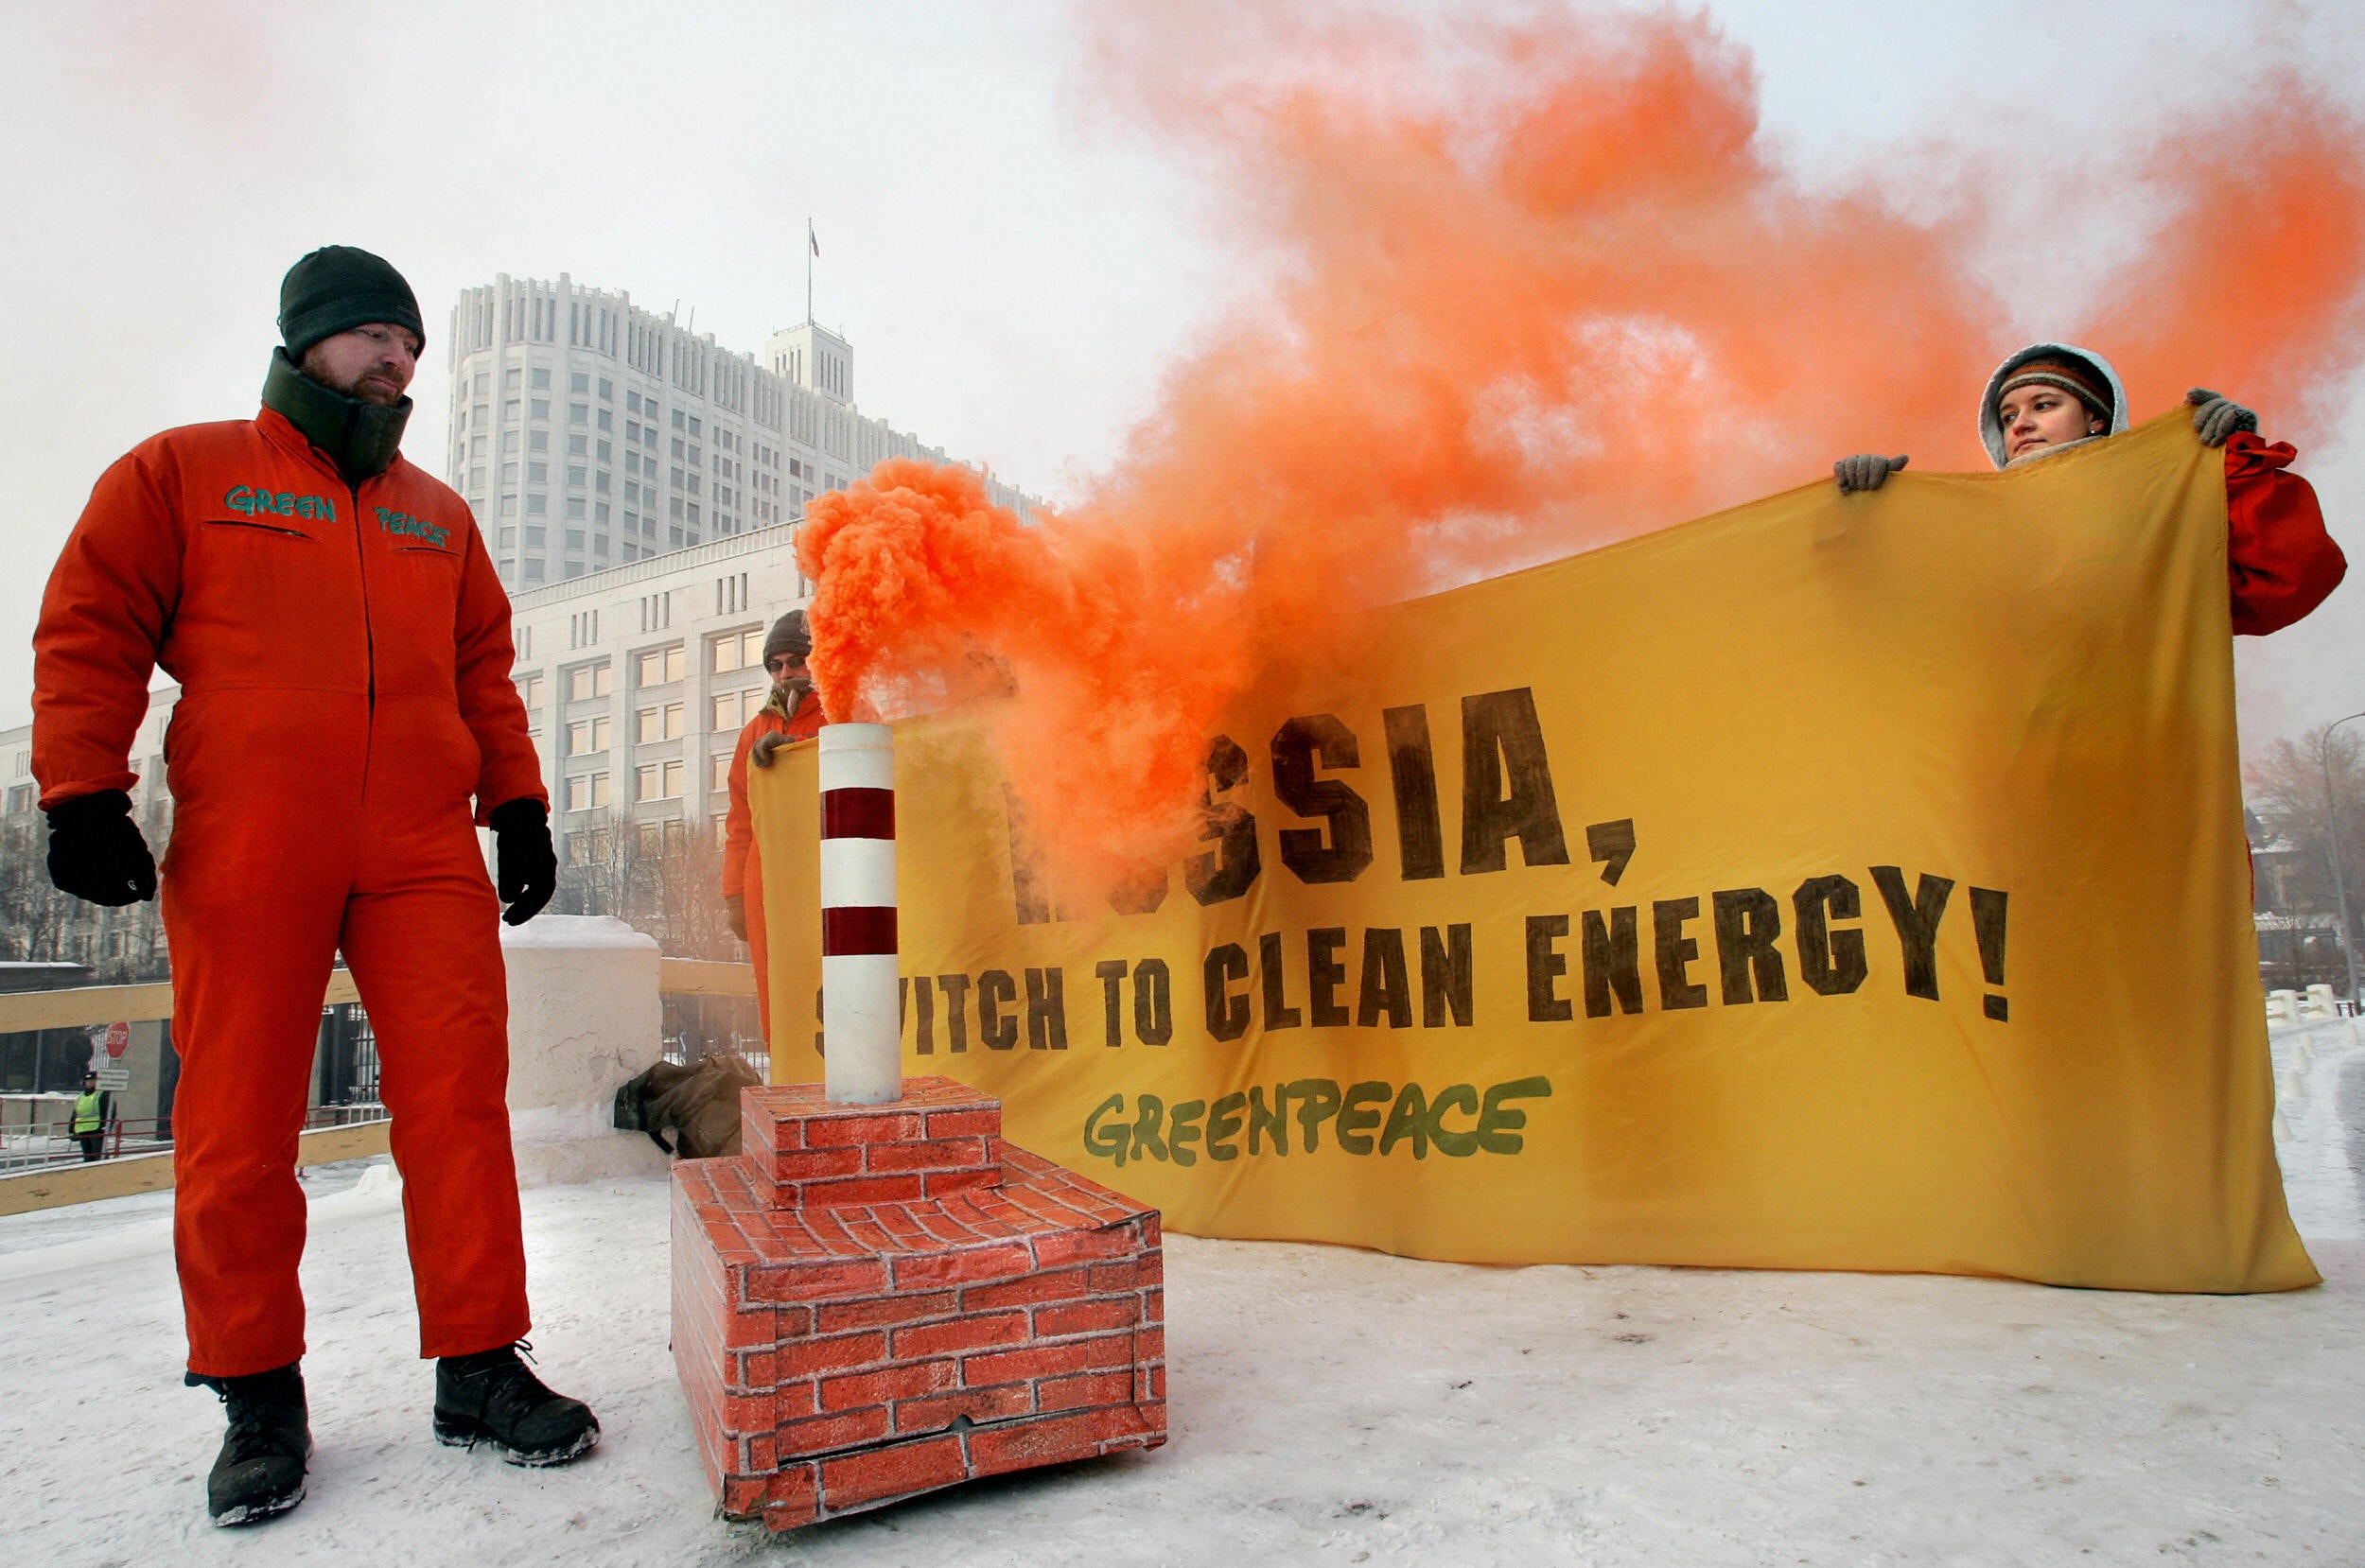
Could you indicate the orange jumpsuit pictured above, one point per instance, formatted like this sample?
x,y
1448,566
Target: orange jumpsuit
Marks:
x,y
743,867
345,659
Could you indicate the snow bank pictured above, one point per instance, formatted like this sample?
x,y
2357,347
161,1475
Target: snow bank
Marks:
x,y
1329,1406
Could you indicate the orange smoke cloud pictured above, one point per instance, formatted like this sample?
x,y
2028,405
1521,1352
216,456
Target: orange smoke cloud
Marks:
x,y
1542,290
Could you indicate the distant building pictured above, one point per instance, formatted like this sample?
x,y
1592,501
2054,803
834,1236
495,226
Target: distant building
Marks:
x,y
589,433
637,680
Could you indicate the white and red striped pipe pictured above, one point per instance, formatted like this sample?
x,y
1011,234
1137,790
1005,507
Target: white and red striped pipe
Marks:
x,y
861,1025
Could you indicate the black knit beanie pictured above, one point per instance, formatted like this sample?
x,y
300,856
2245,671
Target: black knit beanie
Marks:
x,y
789,634
336,288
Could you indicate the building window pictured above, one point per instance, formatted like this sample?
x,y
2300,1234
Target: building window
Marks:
x,y
657,781
607,390
579,382
719,773
538,506
509,539
509,506
529,688
737,650
587,791
586,736
574,540
588,681
659,666
541,377
579,414
732,709
576,474
576,445
660,723
542,407
574,506
535,537
537,473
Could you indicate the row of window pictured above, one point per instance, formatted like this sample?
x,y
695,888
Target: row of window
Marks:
x,y
663,722
652,667
589,792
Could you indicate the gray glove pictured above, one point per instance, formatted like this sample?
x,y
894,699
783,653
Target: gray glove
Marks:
x,y
1865,471
2216,416
760,753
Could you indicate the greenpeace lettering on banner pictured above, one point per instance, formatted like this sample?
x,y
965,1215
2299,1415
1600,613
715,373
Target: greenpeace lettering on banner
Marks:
x,y
1364,1118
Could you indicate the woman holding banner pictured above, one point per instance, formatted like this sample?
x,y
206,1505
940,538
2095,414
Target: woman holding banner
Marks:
x,y
2050,397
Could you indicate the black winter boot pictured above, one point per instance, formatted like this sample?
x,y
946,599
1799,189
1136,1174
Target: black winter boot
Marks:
x,y
490,1397
260,1472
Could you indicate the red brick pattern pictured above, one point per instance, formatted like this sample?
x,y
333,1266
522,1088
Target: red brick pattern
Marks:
x,y
848,1334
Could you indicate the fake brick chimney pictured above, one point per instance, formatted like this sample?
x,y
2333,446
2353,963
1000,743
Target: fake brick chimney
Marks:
x,y
873,1302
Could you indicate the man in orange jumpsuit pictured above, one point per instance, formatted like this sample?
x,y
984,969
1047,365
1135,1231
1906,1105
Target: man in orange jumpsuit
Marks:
x,y
342,648
2280,561
792,712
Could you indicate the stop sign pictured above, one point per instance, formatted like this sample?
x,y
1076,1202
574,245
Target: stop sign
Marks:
x,y
118,1039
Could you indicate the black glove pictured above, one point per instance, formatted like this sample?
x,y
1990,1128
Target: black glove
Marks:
x,y
1865,471
95,851
528,862
2216,416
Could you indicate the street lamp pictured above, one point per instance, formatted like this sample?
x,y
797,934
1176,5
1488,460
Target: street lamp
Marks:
x,y
2340,880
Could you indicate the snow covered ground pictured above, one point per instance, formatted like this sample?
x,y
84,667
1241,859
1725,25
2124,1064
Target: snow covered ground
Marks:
x,y
1328,1405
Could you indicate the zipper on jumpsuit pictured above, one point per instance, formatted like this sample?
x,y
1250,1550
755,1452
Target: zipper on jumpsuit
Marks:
x,y
369,638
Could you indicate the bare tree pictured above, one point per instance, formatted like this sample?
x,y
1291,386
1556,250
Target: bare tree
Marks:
x,y
662,877
40,924
2288,790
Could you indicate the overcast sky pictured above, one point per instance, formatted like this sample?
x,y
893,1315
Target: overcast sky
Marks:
x,y
1014,270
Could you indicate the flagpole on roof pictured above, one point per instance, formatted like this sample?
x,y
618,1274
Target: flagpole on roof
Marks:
x,y
812,249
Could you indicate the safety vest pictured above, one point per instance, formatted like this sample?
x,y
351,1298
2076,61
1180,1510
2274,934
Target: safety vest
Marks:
x,y
87,1113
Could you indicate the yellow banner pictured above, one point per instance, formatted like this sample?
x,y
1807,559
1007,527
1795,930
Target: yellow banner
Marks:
x,y
1833,882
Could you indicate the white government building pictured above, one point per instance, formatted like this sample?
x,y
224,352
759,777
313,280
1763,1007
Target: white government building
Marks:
x,y
589,433
639,488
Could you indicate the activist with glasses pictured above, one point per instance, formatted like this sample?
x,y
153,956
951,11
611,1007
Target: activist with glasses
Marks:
x,y
792,711
2051,397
